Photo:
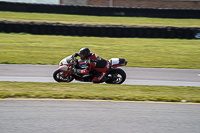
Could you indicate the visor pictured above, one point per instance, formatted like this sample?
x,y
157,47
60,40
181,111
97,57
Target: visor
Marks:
x,y
83,56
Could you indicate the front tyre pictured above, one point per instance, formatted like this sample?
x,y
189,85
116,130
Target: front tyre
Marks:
x,y
58,76
116,76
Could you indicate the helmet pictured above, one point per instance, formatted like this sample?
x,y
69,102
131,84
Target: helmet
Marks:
x,y
84,53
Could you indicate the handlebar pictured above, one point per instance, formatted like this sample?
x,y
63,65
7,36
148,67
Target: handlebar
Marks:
x,y
74,60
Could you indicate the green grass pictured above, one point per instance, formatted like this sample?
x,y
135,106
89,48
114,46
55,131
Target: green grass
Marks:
x,y
36,49
95,20
98,91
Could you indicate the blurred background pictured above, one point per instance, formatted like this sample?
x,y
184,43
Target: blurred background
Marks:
x,y
181,4
153,33
36,1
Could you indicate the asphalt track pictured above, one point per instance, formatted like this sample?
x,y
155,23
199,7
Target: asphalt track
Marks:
x,y
135,76
67,116
73,116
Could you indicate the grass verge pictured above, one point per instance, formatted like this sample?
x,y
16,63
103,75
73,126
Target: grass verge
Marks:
x,y
98,20
139,52
98,91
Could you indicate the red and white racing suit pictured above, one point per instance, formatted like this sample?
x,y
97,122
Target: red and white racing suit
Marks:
x,y
99,64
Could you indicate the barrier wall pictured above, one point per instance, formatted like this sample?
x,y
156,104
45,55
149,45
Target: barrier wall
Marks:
x,y
100,11
99,31
180,4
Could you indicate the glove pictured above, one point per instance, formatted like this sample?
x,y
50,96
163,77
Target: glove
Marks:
x,y
75,54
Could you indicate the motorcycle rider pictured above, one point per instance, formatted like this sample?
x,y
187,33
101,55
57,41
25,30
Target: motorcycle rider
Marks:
x,y
93,61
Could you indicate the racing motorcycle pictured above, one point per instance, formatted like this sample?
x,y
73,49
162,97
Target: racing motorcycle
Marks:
x,y
65,74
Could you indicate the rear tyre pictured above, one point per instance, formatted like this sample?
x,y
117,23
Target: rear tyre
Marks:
x,y
116,76
58,76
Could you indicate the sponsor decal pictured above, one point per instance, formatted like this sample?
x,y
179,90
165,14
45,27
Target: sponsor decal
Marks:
x,y
108,65
101,76
83,71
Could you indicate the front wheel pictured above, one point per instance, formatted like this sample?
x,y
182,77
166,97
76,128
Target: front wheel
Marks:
x,y
58,76
116,76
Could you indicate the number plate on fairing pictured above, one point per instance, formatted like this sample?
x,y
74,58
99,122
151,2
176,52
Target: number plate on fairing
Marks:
x,y
115,61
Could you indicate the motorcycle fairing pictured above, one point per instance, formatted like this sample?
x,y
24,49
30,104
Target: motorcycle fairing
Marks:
x,y
66,60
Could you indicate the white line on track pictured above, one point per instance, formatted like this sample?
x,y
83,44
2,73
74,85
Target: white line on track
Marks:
x,y
128,81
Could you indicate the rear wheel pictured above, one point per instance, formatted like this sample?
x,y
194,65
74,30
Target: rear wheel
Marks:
x,y
116,76
59,77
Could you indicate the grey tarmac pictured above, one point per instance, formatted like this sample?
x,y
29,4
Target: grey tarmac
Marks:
x,y
71,116
135,75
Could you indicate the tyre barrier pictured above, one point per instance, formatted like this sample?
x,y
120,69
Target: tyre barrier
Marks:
x,y
100,11
99,31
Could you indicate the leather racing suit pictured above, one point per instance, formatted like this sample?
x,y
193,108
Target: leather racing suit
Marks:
x,y
97,63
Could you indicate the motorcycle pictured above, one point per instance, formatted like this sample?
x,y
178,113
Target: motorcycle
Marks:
x,y
64,73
